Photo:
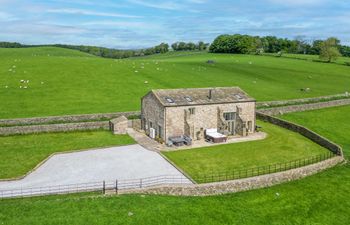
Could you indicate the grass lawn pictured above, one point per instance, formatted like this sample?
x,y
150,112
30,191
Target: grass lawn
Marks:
x,y
280,146
63,81
320,199
333,123
21,153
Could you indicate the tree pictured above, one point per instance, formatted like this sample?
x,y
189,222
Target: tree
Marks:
x,y
301,44
174,46
329,49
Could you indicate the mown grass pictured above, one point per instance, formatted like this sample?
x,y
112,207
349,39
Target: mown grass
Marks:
x,y
280,146
21,153
75,82
320,199
333,123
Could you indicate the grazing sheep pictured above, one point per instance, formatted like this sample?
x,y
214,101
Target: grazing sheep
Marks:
x,y
305,89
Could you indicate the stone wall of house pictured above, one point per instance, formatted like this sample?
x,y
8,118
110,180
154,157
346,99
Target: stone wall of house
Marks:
x,y
135,124
301,101
303,131
5,131
241,184
205,116
304,107
65,119
152,111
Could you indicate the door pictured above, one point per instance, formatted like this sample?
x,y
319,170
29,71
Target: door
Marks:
x,y
231,127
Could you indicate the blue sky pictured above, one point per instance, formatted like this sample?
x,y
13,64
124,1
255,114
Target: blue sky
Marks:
x,y
144,23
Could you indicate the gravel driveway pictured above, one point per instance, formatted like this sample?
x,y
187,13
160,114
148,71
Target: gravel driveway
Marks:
x,y
125,162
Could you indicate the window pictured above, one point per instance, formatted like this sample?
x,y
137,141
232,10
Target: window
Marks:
x,y
230,116
192,111
170,100
160,131
150,124
188,99
238,96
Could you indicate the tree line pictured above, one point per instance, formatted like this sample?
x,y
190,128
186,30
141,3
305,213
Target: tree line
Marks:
x,y
190,46
246,44
98,51
117,53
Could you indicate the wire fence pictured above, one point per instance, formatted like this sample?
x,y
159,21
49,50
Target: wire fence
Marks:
x,y
216,176
103,186
134,184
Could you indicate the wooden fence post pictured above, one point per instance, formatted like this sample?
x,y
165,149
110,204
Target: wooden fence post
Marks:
x,y
116,186
104,187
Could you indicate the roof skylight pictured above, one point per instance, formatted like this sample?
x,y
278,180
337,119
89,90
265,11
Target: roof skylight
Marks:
x,y
170,100
189,99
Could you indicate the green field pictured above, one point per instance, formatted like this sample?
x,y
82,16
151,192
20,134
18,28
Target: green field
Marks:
x,y
21,153
319,199
75,82
280,146
340,60
63,81
333,123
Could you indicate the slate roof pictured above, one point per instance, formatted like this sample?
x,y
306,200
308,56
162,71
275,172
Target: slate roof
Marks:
x,y
119,119
200,96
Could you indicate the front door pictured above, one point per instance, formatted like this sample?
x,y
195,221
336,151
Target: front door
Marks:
x,y
231,127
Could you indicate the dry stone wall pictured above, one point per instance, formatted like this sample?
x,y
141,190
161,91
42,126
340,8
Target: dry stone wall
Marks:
x,y
324,142
304,107
241,184
65,119
4,131
268,104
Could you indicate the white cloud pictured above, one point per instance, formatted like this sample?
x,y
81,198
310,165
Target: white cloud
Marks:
x,y
121,24
32,28
168,5
197,1
89,13
4,16
297,2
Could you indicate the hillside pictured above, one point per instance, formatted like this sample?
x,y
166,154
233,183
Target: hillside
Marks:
x,y
65,81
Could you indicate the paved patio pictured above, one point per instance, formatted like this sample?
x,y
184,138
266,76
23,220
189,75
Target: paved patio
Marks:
x,y
153,145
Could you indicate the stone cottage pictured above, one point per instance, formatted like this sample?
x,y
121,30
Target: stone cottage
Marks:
x,y
190,112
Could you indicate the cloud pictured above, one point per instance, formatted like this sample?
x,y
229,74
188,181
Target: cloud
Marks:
x,y
197,1
30,28
89,13
297,2
122,24
4,16
167,5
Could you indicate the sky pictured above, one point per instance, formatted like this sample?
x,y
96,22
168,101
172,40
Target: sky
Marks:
x,y
130,24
